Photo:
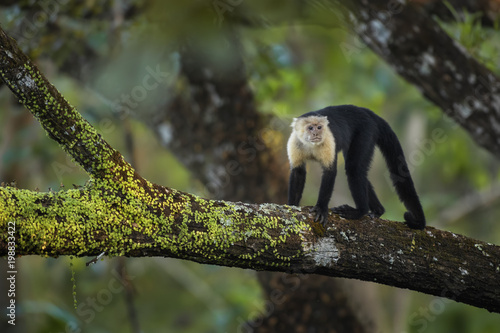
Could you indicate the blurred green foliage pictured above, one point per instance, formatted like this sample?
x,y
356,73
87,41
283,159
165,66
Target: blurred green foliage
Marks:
x,y
293,68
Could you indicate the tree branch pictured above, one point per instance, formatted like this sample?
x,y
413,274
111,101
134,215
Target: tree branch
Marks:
x,y
120,213
421,52
87,222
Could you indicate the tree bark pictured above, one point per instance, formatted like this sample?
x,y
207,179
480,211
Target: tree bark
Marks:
x,y
414,44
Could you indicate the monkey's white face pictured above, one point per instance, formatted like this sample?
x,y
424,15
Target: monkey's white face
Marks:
x,y
311,130
311,139
314,133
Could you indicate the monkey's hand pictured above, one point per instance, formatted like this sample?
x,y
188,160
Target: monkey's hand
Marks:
x,y
320,214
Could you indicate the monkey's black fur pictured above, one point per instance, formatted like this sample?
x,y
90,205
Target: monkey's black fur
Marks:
x,y
356,131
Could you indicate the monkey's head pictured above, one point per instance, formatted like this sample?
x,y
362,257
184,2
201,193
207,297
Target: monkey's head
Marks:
x,y
310,130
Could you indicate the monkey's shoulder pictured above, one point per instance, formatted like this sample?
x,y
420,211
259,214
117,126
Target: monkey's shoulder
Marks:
x,y
344,115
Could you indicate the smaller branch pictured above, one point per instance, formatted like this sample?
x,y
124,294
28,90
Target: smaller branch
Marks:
x,y
93,261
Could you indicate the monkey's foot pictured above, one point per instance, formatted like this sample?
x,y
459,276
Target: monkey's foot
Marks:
x,y
320,214
377,212
348,212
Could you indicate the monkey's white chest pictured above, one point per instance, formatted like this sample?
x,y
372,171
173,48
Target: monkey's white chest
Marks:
x,y
299,152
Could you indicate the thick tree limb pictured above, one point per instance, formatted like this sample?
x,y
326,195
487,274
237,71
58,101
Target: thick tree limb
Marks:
x,y
421,52
238,164
119,213
87,222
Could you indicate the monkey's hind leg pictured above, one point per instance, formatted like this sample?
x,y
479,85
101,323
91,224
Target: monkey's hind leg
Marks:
x,y
376,208
357,162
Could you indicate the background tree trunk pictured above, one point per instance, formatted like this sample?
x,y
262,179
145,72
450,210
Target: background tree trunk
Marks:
x,y
219,123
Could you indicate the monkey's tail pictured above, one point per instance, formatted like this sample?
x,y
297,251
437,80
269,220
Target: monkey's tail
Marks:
x,y
400,175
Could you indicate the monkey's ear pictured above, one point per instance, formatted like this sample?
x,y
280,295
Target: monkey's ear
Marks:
x,y
325,118
294,122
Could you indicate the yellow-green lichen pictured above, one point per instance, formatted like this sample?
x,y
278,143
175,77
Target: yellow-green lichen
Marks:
x,y
101,217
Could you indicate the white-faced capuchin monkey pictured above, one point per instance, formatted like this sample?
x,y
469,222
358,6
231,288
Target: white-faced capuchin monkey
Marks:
x,y
320,135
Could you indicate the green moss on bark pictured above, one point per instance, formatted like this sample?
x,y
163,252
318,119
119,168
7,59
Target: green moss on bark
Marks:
x,y
101,217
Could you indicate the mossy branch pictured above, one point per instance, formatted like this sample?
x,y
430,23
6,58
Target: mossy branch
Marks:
x,y
59,118
120,213
163,222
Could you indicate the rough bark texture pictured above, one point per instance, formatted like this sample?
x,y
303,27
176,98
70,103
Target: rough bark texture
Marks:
x,y
60,119
220,101
216,177
414,44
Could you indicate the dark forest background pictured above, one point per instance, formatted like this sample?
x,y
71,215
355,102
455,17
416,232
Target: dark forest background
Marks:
x,y
182,88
